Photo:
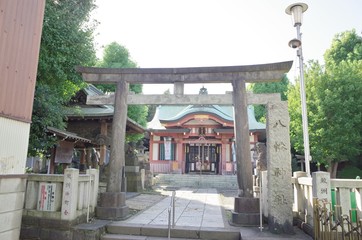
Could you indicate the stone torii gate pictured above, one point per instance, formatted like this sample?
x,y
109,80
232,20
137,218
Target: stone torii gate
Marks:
x,y
112,204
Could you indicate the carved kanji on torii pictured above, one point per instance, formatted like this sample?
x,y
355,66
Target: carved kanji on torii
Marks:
x,y
113,201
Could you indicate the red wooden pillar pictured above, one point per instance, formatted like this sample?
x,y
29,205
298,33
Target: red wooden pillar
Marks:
x,y
180,155
224,146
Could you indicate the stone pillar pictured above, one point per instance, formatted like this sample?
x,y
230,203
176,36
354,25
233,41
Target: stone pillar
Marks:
x,y
242,140
113,201
178,88
322,185
280,192
246,208
70,193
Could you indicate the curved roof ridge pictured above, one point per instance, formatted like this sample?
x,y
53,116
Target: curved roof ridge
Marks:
x,y
221,110
200,108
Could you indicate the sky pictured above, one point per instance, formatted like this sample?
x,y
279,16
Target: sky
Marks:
x,y
198,33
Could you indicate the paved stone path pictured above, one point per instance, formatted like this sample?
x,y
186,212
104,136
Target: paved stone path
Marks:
x,y
200,208
193,207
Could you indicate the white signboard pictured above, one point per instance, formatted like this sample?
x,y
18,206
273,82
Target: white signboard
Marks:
x,y
46,197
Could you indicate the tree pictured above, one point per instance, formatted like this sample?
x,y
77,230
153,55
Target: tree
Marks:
x,y
117,56
67,41
346,46
273,87
334,105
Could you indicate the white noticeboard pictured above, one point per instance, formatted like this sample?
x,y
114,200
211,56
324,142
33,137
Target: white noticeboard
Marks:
x,y
46,197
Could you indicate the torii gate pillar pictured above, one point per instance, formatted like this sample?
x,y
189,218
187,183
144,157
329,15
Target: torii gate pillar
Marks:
x,y
246,208
113,202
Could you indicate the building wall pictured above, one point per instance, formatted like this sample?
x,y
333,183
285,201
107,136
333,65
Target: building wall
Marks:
x,y
87,129
14,137
20,34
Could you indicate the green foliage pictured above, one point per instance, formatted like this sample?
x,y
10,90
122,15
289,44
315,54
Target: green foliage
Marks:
x,y
273,87
117,56
45,101
340,111
346,46
67,41
334,103
350,172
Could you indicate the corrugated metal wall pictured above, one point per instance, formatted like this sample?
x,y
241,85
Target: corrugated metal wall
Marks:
x,y
20,34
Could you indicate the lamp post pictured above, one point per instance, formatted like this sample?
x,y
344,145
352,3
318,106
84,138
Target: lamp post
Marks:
x,y
296,10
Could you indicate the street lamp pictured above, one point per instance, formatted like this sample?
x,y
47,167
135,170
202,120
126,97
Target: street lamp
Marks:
x,y
297,10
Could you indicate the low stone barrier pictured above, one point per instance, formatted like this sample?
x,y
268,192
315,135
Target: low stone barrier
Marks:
x,y
344,193
55,203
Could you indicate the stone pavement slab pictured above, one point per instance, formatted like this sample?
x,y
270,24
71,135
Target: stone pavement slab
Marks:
x,y
193,207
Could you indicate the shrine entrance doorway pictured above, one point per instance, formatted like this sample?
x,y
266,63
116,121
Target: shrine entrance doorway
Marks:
x,y
202,158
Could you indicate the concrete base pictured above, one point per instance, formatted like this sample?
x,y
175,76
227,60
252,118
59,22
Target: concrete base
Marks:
x,y
246,212
112,206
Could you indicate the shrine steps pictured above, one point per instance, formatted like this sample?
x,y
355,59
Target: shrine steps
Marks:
x,y
196,181
147,232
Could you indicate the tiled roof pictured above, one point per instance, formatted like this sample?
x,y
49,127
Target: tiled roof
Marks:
x,y
67,135
166,113
95,111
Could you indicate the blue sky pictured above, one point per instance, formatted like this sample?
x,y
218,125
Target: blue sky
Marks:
x,y
193,33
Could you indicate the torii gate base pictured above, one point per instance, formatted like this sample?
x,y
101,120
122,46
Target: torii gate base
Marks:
x,y
246,211
112,206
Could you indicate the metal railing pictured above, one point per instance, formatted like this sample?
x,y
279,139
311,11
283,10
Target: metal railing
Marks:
x,y
171,214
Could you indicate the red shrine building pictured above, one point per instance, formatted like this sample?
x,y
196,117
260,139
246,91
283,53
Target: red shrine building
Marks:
x,y
197,138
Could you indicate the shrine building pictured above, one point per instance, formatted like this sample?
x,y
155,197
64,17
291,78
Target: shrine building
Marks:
x,y
197,139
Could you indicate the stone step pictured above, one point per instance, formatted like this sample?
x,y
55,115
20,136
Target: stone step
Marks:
x,y
189,180
130,237
161,231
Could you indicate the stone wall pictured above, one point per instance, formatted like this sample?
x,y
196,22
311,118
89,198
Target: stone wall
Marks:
x,y
52,229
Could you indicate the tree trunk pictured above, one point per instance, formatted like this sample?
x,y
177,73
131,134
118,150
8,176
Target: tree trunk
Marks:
x,y
332,169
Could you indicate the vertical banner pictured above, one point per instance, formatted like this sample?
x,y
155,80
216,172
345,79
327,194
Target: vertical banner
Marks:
x,y
167,143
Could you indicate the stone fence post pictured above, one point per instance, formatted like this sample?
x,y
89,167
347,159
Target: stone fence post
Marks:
x,y
299,198
94,187
322,186
70,194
